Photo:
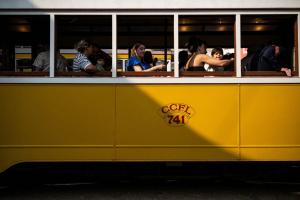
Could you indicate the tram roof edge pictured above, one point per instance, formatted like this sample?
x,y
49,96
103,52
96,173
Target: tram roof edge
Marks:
x,y
146,4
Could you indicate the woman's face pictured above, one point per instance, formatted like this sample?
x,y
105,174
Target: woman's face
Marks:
x,y
218,56
140,51
202,49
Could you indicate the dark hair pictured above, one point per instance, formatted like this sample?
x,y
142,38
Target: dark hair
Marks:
x,y
82,45
148,58
194,43
183,58
217,50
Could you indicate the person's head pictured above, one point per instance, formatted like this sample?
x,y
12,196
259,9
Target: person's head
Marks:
x,y
196,45
148,58
280,54
278,50
183,55
138,50
42,47
217,53
96,48
86,47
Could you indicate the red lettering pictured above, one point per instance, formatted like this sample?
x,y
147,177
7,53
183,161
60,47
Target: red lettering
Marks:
x,y
170,118
176,119
165,109
186,110
181,106
171,107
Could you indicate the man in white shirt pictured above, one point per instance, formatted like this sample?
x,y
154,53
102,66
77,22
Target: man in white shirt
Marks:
x,y
42,62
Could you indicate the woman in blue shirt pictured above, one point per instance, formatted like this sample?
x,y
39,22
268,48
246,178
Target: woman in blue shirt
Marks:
x,y
136,61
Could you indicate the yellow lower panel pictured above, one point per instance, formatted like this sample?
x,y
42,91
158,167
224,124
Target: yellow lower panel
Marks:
x,y
57,114
11,156
140,121
269,114
271,154
176,154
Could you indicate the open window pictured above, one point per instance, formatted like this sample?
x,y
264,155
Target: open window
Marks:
x,y
269,44
216,34
24,45
155,33
96,30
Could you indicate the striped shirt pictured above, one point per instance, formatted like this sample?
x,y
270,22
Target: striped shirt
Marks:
x,y
80,62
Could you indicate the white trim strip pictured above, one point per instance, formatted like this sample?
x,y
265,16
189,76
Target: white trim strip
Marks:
x,y
238,45
151,80
176,44
114,45
52,45
146,4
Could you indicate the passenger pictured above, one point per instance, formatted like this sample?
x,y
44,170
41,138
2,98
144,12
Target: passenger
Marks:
x,y
42,62
155,61
249,62
269,59
229,56
82,62
136,61
102,60
148,58
198,58
182,59
216,53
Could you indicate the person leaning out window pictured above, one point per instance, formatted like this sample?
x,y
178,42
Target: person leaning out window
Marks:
x,y
199,58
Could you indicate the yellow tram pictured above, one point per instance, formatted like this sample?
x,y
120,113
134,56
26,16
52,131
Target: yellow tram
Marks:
x,y
167,116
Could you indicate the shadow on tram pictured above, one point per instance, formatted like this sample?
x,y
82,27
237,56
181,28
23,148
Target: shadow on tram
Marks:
x,y
144,145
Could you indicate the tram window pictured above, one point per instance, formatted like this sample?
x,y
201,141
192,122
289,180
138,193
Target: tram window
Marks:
x,y
269,45
23,37
94,35
209,33
155,36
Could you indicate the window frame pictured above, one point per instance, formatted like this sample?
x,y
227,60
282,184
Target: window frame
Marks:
x,y
177,79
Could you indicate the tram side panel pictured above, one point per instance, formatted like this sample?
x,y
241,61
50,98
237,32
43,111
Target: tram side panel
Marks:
x,y
55,122
146,130
270,118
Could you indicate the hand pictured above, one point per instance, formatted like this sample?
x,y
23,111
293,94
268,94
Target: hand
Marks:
x,y
287,71
159,67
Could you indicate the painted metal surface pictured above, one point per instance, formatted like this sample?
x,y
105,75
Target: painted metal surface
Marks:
x,y
144,4
114,122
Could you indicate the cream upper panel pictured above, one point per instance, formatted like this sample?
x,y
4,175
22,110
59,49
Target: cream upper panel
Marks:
x,y
146,4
